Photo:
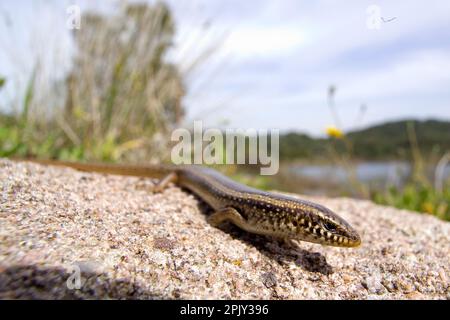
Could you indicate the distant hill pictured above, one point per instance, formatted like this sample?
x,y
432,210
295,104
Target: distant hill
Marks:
x,y
383,141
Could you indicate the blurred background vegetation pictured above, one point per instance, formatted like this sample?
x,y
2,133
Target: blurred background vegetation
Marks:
x,y
122,98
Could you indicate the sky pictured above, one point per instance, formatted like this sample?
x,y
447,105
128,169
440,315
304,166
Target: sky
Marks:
x,y
272,62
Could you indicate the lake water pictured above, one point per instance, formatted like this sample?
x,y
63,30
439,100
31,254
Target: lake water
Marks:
x,y
386,172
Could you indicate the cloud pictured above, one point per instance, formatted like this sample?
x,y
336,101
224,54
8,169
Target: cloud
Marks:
x,y
263,41
285,54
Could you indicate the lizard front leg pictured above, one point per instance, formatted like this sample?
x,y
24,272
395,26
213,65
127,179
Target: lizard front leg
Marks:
x,y
227,214
164,182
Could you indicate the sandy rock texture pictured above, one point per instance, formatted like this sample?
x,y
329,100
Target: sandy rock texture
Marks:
x,y
68,234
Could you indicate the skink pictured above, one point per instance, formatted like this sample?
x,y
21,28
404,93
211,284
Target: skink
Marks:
x,y
250,209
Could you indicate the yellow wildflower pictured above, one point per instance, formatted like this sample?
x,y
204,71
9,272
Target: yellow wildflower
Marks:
x,y
335,132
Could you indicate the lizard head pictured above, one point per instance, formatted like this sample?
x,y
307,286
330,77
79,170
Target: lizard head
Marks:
x,y
318,224
308,221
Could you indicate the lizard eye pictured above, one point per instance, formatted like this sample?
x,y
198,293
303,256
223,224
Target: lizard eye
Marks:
x,y
329,226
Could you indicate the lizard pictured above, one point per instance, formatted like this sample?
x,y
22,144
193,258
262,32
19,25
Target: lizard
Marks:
x,y
253,210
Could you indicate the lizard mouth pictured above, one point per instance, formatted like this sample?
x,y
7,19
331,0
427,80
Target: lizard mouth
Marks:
x,y
354,242
351,241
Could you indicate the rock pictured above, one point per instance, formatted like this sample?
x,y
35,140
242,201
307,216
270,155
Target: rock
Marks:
x,y
67,234
269,279
373,284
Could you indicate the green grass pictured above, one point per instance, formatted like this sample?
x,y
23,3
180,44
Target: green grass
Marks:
x,y
417,196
